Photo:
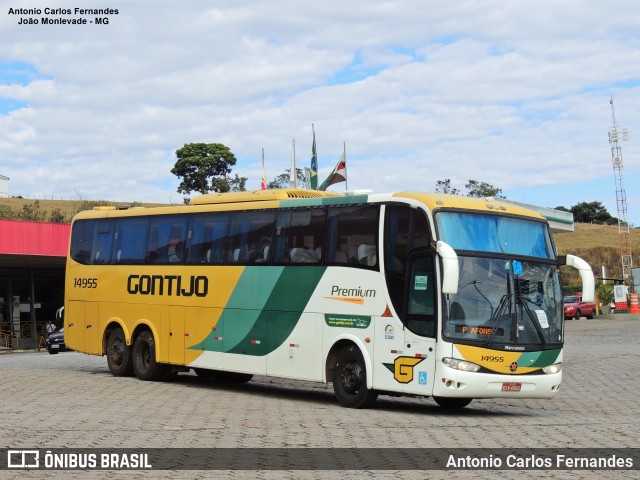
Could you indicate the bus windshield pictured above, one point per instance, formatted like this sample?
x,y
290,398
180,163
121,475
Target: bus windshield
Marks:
x,y
505,302
495,233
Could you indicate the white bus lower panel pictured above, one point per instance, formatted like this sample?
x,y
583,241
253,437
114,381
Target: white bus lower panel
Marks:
x,y
456,383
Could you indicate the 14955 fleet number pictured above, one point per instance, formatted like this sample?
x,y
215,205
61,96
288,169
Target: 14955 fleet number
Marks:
x,y
85,282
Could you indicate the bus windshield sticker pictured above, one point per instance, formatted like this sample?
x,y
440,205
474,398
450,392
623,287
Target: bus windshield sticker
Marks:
x,y
420,282
542,318
517,267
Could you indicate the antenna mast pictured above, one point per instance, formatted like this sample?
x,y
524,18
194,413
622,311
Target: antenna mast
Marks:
x,y
621,194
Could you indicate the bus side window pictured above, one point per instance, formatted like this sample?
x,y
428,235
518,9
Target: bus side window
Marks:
x,y
405,230
130,241
421,296
352,236
250,233
206,238
102,243
82,240
300,236
167,235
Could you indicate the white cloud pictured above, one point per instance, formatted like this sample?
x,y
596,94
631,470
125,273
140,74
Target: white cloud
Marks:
x,y
512,93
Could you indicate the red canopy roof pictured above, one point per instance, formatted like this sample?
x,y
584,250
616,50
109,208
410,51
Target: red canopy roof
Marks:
x,y
34,238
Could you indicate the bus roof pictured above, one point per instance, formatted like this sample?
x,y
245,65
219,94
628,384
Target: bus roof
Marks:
x,y
275,198
261,195
435,201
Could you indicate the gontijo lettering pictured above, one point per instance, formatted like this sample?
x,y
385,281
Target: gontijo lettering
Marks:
x,y
168,285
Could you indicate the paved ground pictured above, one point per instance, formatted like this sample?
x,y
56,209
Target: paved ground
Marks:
x,y
70,400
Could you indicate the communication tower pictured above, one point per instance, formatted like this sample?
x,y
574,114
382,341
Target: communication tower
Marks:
x,y
615,136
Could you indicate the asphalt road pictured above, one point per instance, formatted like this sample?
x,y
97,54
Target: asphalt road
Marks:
x,y
70,400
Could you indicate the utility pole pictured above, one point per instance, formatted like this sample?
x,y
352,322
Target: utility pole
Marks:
x,y
621,194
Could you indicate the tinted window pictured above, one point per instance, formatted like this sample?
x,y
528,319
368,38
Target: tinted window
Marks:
x,y
300,236
82,241
406,230
207,238
421,297
250,237
166,239
353,236
130,241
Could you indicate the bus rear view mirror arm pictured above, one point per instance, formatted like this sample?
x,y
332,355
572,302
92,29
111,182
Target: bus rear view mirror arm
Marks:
x,y
450,267
586,275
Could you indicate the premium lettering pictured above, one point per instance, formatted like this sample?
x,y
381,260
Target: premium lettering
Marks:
x,y
171,285
352,292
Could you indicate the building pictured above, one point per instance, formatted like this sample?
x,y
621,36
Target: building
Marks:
x,y
32,263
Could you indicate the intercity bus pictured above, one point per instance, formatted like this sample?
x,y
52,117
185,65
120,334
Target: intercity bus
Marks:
x,y
414,294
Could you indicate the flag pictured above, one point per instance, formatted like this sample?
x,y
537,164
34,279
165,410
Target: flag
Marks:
x,y
263,182
293,173
338,175
313,176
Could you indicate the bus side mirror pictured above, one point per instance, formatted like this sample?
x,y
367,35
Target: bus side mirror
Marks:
x,y
450,267
586,275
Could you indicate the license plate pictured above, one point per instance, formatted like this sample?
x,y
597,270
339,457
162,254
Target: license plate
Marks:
x,y
55,346
511,387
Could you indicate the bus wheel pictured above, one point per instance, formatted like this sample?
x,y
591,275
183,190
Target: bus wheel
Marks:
x,y
350,379
452,403
144,358
118,354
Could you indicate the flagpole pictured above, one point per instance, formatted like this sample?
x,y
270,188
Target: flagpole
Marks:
x,y
294,174
313,176
263,183
344,154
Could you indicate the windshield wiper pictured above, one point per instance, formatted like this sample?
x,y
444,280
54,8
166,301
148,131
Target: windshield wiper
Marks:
x,y
505,302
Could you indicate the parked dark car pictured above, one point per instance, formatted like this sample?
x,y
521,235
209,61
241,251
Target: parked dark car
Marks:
x,y
55,342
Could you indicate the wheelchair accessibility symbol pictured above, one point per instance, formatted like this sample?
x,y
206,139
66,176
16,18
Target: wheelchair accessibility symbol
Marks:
x,y
422,378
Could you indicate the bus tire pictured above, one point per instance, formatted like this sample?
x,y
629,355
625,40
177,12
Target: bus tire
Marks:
x,y
144,358
350,379
452,403
119,358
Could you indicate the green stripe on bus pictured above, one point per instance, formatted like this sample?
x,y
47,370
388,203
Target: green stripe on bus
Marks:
x,y
243,308
541,359
282,311
317,202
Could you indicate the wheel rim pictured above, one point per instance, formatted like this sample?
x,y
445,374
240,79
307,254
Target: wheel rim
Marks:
x,y
116,352
351,377
145,356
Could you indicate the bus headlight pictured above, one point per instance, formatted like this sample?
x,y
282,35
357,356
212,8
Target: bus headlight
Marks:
x,y
551,369
461,364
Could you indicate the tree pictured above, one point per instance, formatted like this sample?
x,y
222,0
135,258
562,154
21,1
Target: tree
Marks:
x,y
284,180
229,184
591,212
562,209
203,167
483,189
444,186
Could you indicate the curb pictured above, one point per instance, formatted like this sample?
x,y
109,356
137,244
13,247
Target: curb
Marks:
x,y
31,350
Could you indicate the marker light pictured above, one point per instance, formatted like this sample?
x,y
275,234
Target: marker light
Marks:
x,y
461,365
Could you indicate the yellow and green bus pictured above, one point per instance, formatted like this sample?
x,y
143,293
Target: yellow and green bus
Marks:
x,y
407,293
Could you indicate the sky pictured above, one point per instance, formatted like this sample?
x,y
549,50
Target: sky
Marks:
x,y
515,94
